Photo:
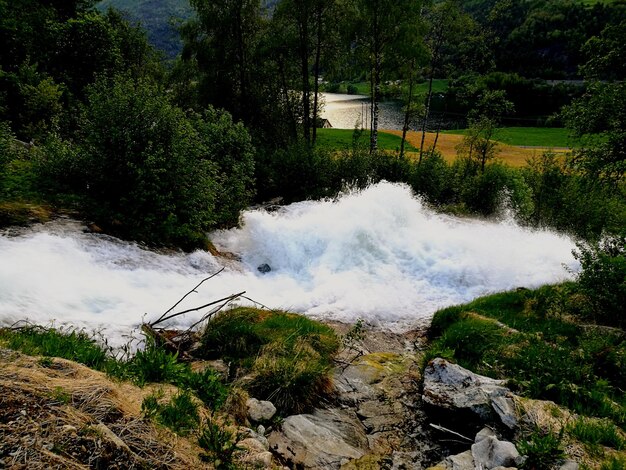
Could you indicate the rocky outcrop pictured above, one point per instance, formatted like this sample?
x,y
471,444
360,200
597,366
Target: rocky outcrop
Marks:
x,y
376,421
324,439
452,387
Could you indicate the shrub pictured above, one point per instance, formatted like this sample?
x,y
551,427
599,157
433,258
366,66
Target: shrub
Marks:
x,y
543,449
352,89
208,387
602,279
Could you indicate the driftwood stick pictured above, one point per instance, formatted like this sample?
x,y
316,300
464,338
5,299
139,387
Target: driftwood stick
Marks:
x,y
441,428
186,295
211,313
162,319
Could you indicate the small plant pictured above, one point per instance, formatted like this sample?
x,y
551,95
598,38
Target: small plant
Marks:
x,y
155,364
542,449
207,386
58,394
180,414
354,336
220,445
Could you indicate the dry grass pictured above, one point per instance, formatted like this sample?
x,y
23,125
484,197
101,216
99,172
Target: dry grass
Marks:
x,y
59,414
447,144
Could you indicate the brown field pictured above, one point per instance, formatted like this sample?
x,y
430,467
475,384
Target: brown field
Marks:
x,y
447,143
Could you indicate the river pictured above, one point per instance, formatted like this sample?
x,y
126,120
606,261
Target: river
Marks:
x,y
379,254
347,111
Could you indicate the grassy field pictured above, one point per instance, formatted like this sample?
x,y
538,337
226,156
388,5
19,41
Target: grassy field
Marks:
x,y
342,138
550,137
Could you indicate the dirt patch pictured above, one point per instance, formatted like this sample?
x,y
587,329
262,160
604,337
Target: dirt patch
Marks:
x,y
447,143
59,414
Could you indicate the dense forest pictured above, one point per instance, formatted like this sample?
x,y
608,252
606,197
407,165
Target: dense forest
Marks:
x,y
164,150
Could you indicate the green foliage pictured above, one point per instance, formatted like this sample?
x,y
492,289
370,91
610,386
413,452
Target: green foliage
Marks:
x,y
180,413
595,433
614,463
207,386
155,364
548,357
288,356
602,280
220,445
543,449
72,344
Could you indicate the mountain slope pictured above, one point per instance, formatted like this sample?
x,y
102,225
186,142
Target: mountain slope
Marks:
x,y
158,17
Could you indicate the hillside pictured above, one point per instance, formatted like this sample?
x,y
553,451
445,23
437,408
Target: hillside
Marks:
x,y
158,17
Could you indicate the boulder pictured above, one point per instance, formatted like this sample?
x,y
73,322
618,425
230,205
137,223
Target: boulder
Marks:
x,y
260,410
463,461
490,453
569,465
452,387
324,439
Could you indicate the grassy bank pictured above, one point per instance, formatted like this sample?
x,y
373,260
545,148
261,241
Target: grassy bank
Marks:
x,y
440,85
548,137
339,139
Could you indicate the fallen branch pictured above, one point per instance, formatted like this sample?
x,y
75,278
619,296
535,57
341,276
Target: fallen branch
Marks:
x,y
166,318
192,291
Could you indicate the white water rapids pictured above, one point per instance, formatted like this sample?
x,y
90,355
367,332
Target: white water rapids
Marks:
x,y
378,254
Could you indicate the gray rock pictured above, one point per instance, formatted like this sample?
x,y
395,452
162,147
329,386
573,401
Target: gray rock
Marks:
x,y
569,465
505,409
491,453
464,461
260,410
320,440
264,268
452,387
484,433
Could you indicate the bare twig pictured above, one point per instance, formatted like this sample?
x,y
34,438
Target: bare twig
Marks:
x,y
162,319
192,291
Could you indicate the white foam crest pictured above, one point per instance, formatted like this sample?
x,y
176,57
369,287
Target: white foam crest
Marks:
x,y
378,254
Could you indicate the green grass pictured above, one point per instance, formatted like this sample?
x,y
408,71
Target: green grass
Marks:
x,y
151,365
289,357
595,433
180,413
528,136
339,139
547,357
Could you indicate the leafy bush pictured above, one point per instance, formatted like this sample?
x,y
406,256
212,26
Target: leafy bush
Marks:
x,y
602,279
543,449
208,387
180,413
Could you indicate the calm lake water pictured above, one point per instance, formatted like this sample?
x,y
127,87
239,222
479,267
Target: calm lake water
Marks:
x,y
346,111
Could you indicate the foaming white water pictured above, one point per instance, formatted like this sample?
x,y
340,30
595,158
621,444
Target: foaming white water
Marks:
x,y
378,254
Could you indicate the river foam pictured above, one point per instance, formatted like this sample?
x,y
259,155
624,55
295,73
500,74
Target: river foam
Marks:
x,y
378,254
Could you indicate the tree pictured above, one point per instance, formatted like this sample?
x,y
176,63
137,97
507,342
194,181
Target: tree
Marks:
x,y
446,21
154,174
483,120
382,26
598,118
